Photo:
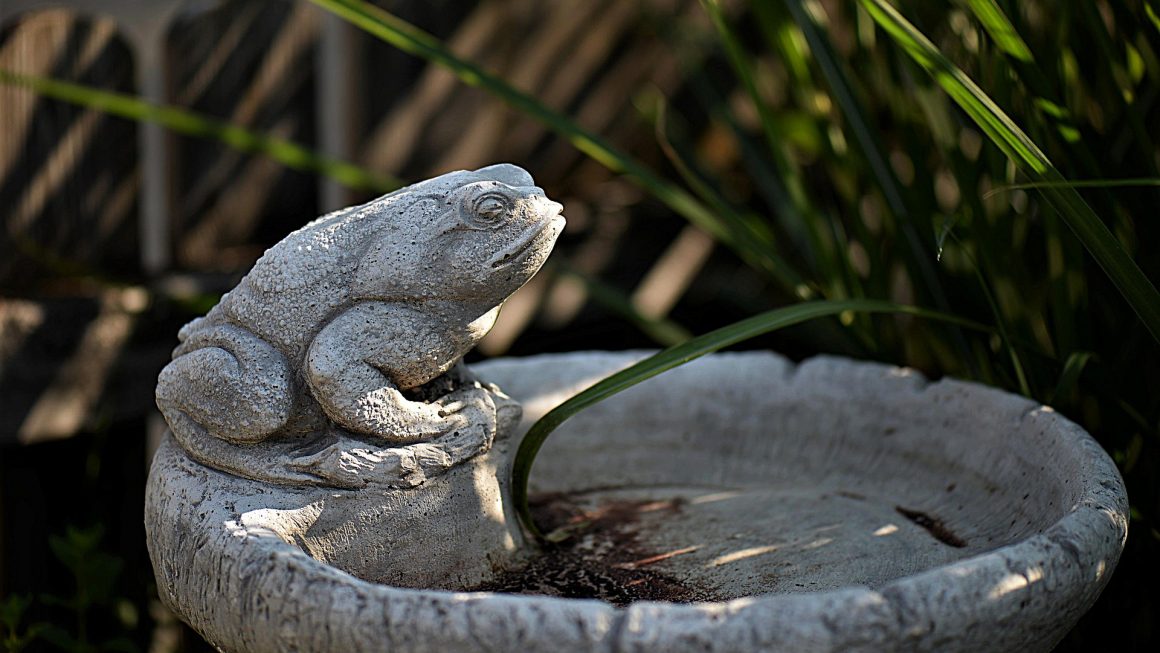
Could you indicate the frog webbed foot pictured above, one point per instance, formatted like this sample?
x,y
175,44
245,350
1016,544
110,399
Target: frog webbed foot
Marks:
x,y
346,463
448,415
485,397
450,430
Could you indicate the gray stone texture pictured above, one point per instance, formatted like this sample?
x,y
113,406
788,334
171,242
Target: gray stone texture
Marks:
x,y
334,361
835,505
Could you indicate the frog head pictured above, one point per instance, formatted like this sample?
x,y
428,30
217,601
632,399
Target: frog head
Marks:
x,y
473,237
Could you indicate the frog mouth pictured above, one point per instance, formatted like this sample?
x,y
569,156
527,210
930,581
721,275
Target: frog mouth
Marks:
x,y
533,236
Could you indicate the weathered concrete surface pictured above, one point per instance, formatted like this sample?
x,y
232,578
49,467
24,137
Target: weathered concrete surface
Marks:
x,y
1042,523
335,361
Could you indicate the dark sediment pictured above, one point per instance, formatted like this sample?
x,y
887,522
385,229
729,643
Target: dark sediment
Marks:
x,y
596,552
933,525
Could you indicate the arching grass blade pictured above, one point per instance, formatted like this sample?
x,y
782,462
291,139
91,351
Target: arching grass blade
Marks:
x,y
681,354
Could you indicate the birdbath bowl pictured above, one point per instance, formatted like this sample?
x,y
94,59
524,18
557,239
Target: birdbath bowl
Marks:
x,y
739,503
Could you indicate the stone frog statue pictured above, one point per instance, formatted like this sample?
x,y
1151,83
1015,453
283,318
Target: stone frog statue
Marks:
x,y
337,360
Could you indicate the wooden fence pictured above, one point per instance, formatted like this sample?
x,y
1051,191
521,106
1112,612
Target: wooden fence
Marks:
x,y
114,232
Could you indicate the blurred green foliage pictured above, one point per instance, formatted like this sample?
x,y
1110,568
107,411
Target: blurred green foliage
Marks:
x,y
95,575
14,636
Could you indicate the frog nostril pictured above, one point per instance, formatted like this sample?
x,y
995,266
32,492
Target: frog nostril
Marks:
x,y
551,208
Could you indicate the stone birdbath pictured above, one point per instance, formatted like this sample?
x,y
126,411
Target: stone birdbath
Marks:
x,y
337,480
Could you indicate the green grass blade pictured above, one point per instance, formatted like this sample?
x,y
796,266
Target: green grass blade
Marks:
x,y
288,153
1113,69
1135,182
410,39
1048,102
855,114
1069,379
663,330
799,208
765,176
1004,331
741,62
1002,32
1153,13
1136,288
852,109
683,353
744,226
998,126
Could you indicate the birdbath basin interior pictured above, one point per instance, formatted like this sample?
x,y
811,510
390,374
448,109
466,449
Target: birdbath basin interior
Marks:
x,y
739,503
747,475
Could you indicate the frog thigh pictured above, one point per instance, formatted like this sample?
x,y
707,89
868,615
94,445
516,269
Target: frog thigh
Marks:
x,y
227,381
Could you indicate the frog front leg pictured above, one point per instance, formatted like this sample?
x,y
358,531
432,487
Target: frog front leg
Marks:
x,y
358,363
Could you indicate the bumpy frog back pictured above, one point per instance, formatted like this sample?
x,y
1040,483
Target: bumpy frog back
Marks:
x,y
298,283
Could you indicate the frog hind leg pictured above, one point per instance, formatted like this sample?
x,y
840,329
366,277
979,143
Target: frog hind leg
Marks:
x,y
227,382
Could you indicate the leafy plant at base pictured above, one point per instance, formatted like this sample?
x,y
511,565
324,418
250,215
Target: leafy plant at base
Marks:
x,y
12,637
95,574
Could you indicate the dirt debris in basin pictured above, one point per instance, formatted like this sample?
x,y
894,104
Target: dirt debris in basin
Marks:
x,y
596,553
933,525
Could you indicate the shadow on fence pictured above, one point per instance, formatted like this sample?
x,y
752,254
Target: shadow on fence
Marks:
x,y
113,233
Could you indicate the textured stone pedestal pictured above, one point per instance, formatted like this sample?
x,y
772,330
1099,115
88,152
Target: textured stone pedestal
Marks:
x,y
830,505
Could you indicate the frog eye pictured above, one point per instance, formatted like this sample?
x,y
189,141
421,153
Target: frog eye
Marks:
x,y
490,208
